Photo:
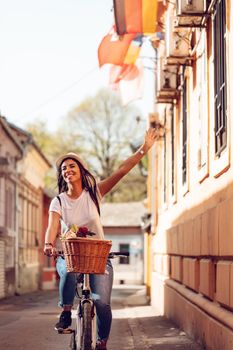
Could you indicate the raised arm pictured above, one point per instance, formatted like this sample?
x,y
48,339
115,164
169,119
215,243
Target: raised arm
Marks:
x,y
106,185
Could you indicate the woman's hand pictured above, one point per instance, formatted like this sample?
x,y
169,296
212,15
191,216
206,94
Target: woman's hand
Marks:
x,y
152,135
49,250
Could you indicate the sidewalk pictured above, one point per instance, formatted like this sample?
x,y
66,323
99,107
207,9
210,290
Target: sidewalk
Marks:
x,y
137,325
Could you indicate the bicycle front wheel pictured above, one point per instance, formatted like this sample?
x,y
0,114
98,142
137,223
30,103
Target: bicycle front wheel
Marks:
x,y
87,327
73,341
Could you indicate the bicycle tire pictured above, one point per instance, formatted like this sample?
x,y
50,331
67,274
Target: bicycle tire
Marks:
x,y
73,341
87,327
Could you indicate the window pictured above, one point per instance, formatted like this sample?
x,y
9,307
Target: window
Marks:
x,y
184,132
21,207
165,160
124,247
10,207
202,116
220,88
172,150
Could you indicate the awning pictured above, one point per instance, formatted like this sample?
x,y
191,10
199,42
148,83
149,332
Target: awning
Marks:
x,y
135,16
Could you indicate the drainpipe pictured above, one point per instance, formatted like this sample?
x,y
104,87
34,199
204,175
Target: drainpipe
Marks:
x,y
153,189
153,158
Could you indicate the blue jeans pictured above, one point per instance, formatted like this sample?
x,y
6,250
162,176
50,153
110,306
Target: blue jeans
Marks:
x,y
101,287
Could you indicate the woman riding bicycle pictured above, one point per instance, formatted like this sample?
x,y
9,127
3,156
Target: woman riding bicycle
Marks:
x,y
78,203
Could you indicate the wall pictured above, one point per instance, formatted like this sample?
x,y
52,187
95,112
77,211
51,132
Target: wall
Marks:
x,y
131,273
192,278
9,153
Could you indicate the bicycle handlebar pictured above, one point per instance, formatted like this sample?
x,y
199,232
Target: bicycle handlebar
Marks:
x,y
111,255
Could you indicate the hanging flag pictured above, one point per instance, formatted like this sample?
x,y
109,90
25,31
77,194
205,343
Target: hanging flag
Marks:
x,y
127,71
119,50
135,16
132,89
133,50
113,48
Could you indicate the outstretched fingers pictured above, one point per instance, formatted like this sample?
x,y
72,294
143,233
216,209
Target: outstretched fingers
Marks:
x,y
152,135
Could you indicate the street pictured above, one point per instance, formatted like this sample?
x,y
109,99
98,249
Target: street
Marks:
x,y
26,323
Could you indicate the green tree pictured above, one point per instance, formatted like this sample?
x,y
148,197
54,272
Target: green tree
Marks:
x,y
52,145
103,133
104,130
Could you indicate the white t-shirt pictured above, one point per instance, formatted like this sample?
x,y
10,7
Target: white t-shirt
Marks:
x,y
81,211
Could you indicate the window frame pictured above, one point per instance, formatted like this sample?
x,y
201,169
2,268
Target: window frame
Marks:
x,y
203,106
220,78
184,122
219,164
173,152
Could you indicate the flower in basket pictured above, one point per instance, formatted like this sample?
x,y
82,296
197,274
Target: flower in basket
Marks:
x,y
83,231
75,232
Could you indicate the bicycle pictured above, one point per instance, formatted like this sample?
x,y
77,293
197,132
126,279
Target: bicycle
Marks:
x,y
83,337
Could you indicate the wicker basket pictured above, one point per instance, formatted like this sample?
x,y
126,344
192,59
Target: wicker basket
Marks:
x,y
86,255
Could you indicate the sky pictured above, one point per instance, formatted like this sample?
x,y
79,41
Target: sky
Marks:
x,y
48,60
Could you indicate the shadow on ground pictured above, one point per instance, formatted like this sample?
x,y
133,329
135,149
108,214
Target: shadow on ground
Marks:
x,y
137,325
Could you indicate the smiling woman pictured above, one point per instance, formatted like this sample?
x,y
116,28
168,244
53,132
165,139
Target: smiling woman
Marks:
x,y
78,204
70,172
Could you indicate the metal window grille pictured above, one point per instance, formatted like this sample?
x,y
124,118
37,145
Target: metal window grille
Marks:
x,y
220,88
172,152
184,132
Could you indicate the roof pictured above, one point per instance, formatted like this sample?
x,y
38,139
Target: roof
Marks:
x,y
11,134
26,138
122,214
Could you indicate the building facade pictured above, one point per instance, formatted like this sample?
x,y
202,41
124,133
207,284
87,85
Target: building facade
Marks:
x,y
23,169
11,152
122,225
190,187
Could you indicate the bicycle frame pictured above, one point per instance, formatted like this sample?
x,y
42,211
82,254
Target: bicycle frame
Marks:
x,y
84,335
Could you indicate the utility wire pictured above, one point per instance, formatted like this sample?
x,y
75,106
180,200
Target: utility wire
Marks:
x,y
62,91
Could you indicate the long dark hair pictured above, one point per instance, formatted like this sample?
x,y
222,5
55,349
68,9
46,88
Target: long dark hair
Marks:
x,y
88,182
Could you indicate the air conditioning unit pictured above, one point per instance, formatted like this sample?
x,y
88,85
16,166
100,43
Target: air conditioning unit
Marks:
x,y
166,89
177,42
190,13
